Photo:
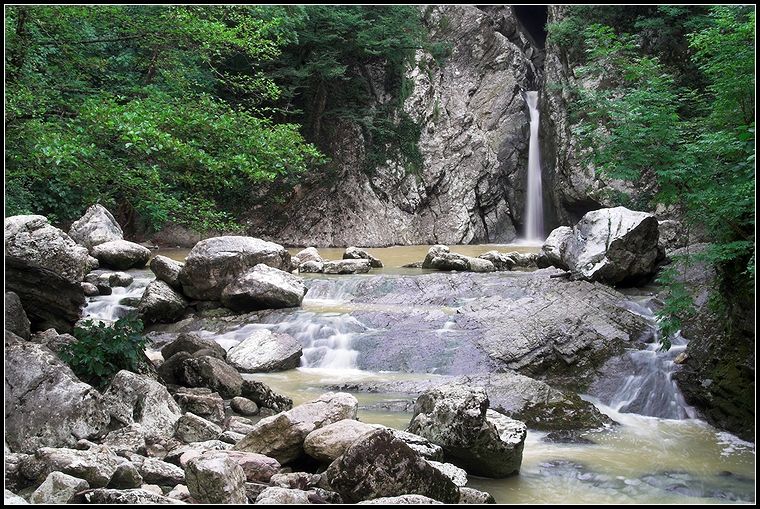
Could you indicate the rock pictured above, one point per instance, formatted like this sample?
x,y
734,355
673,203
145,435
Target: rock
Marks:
x,y
440,258
214,478
96,226
209,406
453,472
214,263
455,417
480,265
231,437
262,395
117,279
167,270
263,287
239,425
162,473
10,498
301,480
58,488
121,254
673,235
355,253
553,251
133,496
128,439
329,442
14,479
420,445
264,351
213,373
16,320
126,476
95,465
681,358
191,428
402,499
92,263
181,493
311,267
89,289
524,260
52,340
282,436
152,488
257,467
45,403
172,371
500,261
192,450
277,495
473,496
380,465
613,246
310,254
244,406
160,303
44,267
190,342
346,266
133,398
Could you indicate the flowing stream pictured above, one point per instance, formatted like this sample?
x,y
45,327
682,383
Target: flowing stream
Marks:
x,y
534,202
660,453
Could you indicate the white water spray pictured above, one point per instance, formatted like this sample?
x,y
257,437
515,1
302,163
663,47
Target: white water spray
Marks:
x,y
534,204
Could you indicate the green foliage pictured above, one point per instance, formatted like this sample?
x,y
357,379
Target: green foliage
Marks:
x,y
101,351
127,106
678,303
698,142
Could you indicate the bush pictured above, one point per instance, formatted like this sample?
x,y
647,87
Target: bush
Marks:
x,y
101,351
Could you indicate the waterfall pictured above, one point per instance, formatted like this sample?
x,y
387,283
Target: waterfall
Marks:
x,y
534,204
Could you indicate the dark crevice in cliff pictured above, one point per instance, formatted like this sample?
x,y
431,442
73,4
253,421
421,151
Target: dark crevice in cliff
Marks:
x,y
532,20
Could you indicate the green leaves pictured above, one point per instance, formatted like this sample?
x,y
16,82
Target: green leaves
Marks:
x,y
101,351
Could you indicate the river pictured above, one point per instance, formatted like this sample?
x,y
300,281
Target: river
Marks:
x,y
660,453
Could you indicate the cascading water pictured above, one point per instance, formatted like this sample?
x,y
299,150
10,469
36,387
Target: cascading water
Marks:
x,y
534,204
111,307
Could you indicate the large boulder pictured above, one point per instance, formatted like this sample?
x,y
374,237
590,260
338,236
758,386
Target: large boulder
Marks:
x,y
136,496
121,254
167,270
282,436
439,257
44,267
553,251
96,465
16,320
613,246
214,478
455,417
500,261
265,351
192,428
191,342
58,488
346,266
217,375
137,399
310,254
329,442
161,303
380,465
155,471
45,403
214,263
263,287
202,402
96,226
265,397
355,253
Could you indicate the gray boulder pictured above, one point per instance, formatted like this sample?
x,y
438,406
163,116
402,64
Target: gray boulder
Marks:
x,y
613,246
500,261
214,478
257,467
310,254
167,270
473,496
155,471
453,472
182,454
95,465
132,398
311,266
329,442
454,416
380,465
265,397
346,266
126,497
192,428
127,439
121,254
10,498
161,303
480,265
58,488
89,289
16,320
191,342
217,375
355,253
282,436
263,287
278,495
441,258
201,402
401,499
553,251
45,403
265,351
96,226
673,235
244,406
44,267
214,263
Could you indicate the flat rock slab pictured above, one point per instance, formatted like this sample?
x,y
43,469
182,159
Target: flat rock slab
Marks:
x,y
265,351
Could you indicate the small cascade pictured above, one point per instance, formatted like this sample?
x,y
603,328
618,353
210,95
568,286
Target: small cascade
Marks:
x,y
643,381
534,203
110,308
328,340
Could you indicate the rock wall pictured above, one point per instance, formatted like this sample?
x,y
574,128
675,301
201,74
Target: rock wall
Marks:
x,y
474,144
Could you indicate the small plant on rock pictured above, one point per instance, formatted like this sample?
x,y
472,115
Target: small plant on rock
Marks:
x,y
103,350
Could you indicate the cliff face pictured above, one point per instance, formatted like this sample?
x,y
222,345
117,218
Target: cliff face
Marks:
x,y
474,142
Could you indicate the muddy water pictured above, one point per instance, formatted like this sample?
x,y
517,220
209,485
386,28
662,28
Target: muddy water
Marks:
x,y
643,460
